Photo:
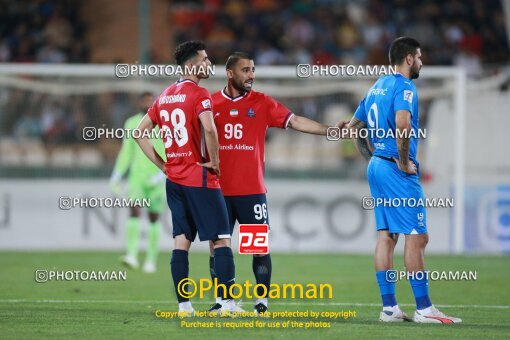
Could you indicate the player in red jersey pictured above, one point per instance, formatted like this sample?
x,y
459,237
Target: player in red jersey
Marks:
x,y
184,113
242,117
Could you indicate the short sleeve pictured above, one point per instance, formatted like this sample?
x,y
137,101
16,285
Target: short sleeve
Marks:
x,y
153,112
404,97
203,103
361,113
278,115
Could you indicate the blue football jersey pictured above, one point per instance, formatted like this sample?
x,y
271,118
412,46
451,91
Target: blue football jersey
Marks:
x,y
388,95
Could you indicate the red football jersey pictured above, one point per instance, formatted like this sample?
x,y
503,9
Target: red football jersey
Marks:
x,y
177,111
242,123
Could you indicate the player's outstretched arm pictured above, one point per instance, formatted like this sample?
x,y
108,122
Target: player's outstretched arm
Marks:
x,y
403,124
146,125
307,125
362,144
211,141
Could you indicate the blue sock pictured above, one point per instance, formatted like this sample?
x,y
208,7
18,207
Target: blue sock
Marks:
x,y
420,286
262,269
179,266
387,289
224,269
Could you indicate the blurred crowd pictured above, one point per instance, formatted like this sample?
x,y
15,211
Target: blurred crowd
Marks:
x,y
466,32
43,31
470,33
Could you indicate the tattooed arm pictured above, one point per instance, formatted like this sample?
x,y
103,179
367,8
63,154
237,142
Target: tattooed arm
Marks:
x,y
403,124
362,144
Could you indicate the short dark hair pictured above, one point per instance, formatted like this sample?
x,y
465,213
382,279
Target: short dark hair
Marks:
x,y
145,94
235,57
188,50
401,48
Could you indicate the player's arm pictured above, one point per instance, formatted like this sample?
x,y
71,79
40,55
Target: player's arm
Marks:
x,y
403,125
307,125
362,144
280,116
211,141
145,126
122,163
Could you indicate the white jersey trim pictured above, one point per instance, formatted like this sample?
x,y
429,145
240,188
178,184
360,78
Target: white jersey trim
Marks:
x,y
286,125
233,99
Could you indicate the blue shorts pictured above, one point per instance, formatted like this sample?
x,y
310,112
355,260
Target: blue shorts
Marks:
x,y
388,182
199,210
247,209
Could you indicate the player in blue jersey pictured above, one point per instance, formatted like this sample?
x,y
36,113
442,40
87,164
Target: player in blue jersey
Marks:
x,y
390,113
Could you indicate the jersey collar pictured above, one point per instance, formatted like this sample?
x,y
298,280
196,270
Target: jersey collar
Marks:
x,y
185,81
226,95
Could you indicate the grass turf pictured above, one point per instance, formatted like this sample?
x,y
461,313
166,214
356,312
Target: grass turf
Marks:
x,y
126,309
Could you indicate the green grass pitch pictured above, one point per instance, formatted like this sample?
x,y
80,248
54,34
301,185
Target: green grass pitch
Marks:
x,y
126,309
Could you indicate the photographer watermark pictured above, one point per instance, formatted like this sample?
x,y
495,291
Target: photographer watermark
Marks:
x,y
43,275
433,275
91,133
143,70
188,288
369,203
309,70
334,133
68,203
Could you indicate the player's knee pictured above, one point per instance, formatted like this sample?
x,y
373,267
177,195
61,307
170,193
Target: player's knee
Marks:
x,y
389,243
134,212
221,243
153,217
424,240
388,240
181,242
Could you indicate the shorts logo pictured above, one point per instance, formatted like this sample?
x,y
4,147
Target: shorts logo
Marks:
x,y
251,112
234,113
420,219
253,239
408,96
206,104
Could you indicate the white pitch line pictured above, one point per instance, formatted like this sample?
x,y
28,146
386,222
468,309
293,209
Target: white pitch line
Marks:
x,y
273,303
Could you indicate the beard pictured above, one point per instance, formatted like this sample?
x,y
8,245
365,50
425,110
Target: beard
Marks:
x,y
415,72
239,86
202,75
145,109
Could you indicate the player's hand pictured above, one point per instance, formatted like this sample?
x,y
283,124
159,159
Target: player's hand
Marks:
x,y
410,168
215,167
342,124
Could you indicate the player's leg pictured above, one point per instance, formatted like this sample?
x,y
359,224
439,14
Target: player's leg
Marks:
x,y
383,260
156,196
414,260
211,261
184,232
133,225
224,267
209,214
252,209
416,240
232,221
179,266
151,257
381,180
